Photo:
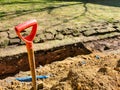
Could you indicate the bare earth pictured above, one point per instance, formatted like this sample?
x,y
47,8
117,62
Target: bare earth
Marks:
x,y
96,71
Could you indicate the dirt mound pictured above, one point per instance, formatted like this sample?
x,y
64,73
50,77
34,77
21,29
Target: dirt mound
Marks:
x,y
98,71
91,77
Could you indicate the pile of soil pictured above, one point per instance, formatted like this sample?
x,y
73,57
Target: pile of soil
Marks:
x,y
96,71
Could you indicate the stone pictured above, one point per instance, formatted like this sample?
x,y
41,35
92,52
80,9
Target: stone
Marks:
x,y
51,31
111,29
36,39
49,36
14,41
4,41
4,30
41,38
40,86
89,32
118,28
67,31
76,33
103,70
12,34
102,30
59,36
3,35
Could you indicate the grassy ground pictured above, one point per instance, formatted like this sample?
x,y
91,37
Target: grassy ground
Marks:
x,y
54,13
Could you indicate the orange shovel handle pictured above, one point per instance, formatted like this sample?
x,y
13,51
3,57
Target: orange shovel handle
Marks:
x,y
23,26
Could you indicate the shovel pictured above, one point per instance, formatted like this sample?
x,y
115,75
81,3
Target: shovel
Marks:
x,y
29,45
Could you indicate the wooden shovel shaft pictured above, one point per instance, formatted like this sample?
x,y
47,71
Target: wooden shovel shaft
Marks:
x,y
29,42
31,59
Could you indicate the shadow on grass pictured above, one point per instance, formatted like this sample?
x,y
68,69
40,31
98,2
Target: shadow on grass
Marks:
x,y
17,13
115,3
24,12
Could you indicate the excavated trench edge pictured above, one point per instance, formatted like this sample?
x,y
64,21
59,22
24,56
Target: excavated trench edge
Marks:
x,y
12,65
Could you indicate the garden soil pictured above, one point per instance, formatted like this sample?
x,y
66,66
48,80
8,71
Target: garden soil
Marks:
x,y
96,71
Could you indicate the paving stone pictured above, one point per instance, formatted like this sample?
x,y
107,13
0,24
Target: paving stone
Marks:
x,y
118,28
12,34
59,30
108,35
67,31
14,41
82,29
4,41
111,29
76,33
3,34
96,29
105,30
39,32
59,36
54,32
102,30
89,32
49,36
4,30
36,39
41,38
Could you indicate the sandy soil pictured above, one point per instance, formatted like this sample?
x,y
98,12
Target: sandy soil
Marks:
x,y
96,71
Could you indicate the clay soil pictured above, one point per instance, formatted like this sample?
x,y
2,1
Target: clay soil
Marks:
x,y
96,71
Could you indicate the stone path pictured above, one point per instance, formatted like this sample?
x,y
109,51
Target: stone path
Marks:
x,y
99,30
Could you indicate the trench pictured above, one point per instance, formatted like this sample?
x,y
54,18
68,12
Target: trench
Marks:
x,y
12,65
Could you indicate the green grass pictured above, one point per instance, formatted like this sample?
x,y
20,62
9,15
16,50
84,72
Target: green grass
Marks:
x,y
53,13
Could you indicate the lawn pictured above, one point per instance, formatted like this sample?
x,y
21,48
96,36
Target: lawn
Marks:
x,y
55,13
